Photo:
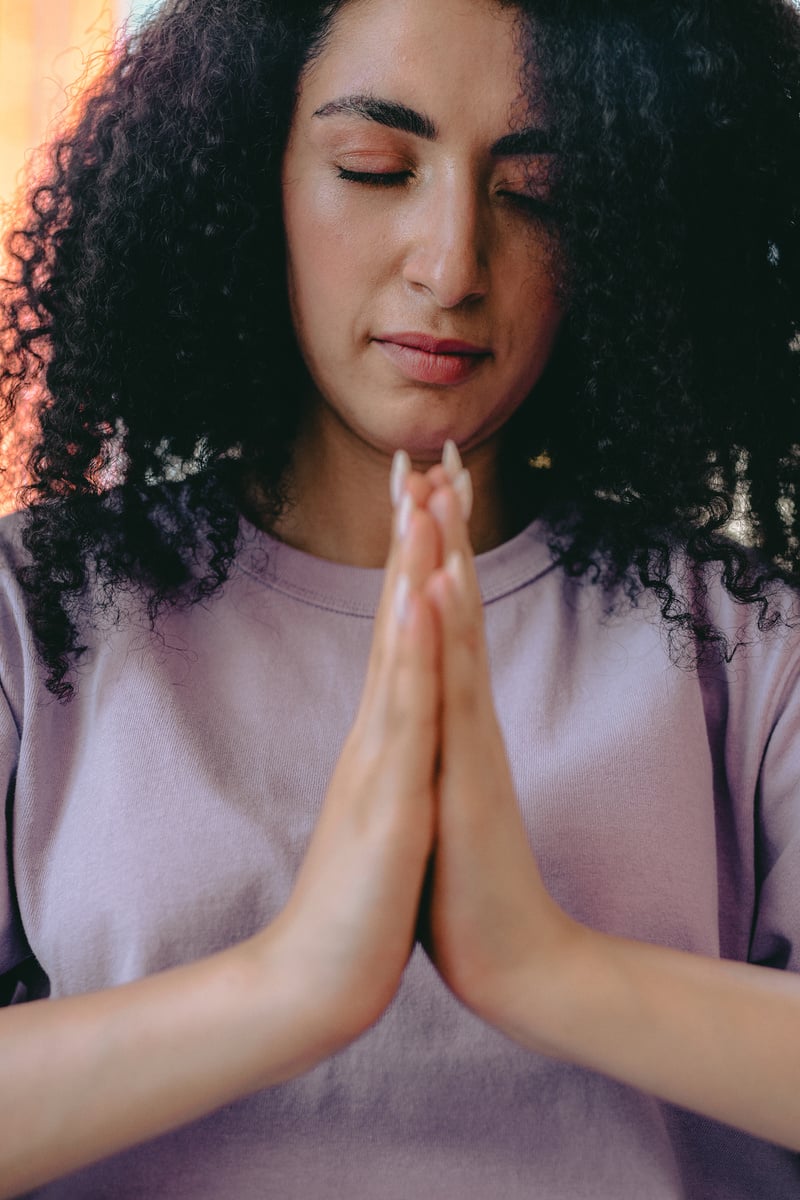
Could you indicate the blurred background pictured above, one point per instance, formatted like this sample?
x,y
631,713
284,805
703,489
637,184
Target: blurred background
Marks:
x,y
47,49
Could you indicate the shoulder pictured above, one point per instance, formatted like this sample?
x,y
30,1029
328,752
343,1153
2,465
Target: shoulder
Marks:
x,y
17,650
12,553
752,676
757,614
13,557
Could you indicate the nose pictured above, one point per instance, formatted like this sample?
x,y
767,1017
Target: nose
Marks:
x,y
447,251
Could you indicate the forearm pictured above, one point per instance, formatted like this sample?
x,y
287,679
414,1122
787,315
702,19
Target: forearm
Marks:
x,y
86,1076
716,1037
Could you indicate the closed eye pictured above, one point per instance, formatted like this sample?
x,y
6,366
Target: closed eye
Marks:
x,y
532,205
375,178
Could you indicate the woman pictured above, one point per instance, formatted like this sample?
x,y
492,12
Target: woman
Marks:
x,y
329,880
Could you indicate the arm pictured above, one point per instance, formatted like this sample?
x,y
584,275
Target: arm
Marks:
x,y
720,1038
717,1037
86,1076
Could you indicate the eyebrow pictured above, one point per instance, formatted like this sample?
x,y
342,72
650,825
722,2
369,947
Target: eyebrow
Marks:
x,y
399,116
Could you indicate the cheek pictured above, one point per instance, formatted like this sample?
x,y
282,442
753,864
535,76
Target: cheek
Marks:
x,y
316,237
329,252
539,303
336,273
538,319
316,254
320,217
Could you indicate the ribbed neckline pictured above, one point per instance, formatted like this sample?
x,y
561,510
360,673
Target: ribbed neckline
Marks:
x,y
356,590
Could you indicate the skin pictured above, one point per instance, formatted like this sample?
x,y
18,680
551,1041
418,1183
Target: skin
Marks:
x,y
452,248
423,783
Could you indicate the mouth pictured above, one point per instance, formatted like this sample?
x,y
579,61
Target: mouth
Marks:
x,y
434,361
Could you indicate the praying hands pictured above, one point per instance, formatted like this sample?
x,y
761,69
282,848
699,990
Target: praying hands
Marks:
x,y
423,788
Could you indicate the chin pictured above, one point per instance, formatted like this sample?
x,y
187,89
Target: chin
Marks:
x,y
424,445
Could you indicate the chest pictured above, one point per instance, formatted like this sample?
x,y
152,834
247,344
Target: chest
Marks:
x,y
173,809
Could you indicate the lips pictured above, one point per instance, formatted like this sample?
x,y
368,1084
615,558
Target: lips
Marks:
x,y
437,361
432,345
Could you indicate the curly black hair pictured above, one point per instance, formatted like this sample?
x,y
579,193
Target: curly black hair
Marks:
x,y
146,307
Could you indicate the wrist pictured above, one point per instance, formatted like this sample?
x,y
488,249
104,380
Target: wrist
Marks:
x,y
536,1003
305,989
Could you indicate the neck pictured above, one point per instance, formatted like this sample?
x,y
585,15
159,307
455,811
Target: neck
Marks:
x,y
338,497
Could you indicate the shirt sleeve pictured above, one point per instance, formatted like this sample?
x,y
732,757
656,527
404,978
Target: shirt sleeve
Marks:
x,y
14,949
776,930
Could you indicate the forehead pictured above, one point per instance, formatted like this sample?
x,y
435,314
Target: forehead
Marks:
x,y
457,59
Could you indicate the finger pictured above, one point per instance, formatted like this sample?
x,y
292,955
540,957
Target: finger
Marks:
x,y
474,766
465,668
472,756
451,476
416,548
415,551
403,478
401,701
420,550
448,508
450,467
414,555
419,488
437,477
406,694
401,690
408,491
454,592
401,469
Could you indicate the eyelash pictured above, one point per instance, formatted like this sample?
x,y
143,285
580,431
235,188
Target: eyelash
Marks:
x,y
375,179
530,205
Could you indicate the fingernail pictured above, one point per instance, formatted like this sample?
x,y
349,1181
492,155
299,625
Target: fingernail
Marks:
x,y
404,515
462,486
456,569
451,459
401,469
401,594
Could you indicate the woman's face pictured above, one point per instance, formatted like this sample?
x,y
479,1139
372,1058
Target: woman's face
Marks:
x,y
418,266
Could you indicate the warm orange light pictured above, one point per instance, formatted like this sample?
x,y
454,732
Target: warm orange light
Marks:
x,y
46,48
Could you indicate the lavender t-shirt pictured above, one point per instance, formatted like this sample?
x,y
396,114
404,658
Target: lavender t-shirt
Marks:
x,y
164,813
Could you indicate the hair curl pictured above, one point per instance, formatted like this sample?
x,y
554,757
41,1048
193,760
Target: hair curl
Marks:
x,y
146,318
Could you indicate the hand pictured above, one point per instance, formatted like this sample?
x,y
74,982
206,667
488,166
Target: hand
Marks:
x,y
349,923
489,916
